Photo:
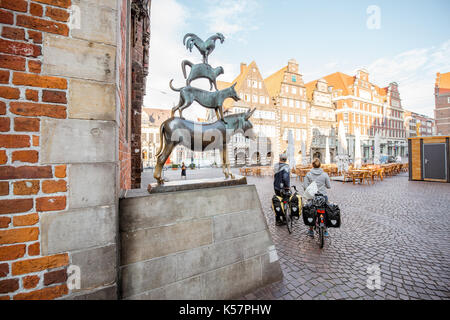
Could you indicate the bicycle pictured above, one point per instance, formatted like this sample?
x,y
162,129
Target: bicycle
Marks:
x,y
320,225
287,216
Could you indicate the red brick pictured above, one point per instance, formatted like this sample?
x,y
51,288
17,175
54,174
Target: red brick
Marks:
x,y
35,141
4,76
26,124
4,157
34,66
34,80
9,285
30,282
18,235
4,298
4,270
35,109
60,171
32,95
12,62
54,96
13,33
4,222
48,293
19,48
6,17
39,264
42,25
36,9
9,93
25,172
57,3
16,5
51,203
35,36
4,124
31,156
26,187
57,14
14,252
15,205
26,220
2,108
55,277
14,141
34,249
53,186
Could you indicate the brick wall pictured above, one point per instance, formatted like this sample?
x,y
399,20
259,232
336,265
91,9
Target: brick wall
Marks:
x,y
27,188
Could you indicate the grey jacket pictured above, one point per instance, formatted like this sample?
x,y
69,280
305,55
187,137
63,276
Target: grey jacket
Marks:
x,y
320,177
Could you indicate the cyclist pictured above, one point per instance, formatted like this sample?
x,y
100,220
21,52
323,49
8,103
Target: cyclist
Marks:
x,y
323,183
282,180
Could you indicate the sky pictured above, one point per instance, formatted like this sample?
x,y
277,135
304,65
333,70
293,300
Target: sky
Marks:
x,y
406,41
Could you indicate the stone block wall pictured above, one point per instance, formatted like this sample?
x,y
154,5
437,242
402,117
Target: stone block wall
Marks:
x,y
58,148
198,244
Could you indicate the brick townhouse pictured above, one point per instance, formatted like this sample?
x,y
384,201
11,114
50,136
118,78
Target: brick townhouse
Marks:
x,y
442,103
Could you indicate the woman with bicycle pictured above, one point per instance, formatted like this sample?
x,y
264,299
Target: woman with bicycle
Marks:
x,y
322,180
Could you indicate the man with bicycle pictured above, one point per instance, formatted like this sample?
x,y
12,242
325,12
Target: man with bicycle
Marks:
x,y
282,180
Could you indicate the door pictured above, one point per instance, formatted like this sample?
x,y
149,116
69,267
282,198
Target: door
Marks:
x,y
435,161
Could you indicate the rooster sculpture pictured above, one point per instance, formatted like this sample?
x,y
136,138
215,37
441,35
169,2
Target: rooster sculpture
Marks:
x,y
205,47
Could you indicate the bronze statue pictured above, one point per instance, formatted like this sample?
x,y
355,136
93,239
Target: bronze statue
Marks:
x,y
201,70
200,137
211,100
205,47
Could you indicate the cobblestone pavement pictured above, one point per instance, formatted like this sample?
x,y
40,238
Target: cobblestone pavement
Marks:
x,y
400,226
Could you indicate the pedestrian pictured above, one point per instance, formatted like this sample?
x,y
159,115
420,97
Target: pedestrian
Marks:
x,y
282,181
323,183
183,171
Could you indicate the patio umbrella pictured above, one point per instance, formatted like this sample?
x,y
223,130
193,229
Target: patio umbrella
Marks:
x,y
327,151
303,148
291,150
342,146
376,157
357,163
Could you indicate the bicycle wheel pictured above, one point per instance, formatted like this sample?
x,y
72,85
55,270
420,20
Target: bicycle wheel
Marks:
x,y
287,213
321,237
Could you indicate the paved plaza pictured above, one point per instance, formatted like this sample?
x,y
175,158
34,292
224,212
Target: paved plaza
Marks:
x,y
396,226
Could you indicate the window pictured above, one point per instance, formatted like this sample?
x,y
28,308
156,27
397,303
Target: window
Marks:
x,y
304,104
448,99
291,103
294,79
284,102
297,104
255,98
267,100
255,84
303,119
249,83
259,84
294,90
262,99
285,118
291,118
345,117
297,118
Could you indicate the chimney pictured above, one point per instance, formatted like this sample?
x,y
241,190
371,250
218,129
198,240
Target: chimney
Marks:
x,y
243,66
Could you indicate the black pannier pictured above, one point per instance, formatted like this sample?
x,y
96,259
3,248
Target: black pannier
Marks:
x,y
295,203
309,214
333,216
277,205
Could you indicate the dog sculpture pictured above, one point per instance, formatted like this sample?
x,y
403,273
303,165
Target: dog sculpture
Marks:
x,y
201,137
211,100
201,70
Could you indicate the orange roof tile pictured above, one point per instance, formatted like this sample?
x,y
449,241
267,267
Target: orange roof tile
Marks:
x,y
443,80
273,82
310,87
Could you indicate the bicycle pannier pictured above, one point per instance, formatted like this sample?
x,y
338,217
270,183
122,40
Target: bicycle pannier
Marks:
x,y
309,214
333,216
296,203
277,205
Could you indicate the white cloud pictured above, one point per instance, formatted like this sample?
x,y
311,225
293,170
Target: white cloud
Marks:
x,y
415,72
231,17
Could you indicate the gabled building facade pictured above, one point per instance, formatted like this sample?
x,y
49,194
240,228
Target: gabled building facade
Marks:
x,y
442,103
322,119
288,92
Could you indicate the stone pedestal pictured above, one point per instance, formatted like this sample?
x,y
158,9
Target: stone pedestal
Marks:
x,y
210,243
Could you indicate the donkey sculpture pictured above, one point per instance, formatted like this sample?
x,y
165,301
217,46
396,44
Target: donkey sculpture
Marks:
x,y
201,137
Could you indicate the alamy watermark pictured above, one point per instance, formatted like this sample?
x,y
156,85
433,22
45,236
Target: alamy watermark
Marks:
x,y
374,19
73,277
374,278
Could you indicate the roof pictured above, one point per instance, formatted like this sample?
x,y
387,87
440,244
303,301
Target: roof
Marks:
x,y
310,87
443,80
339,80
273,82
